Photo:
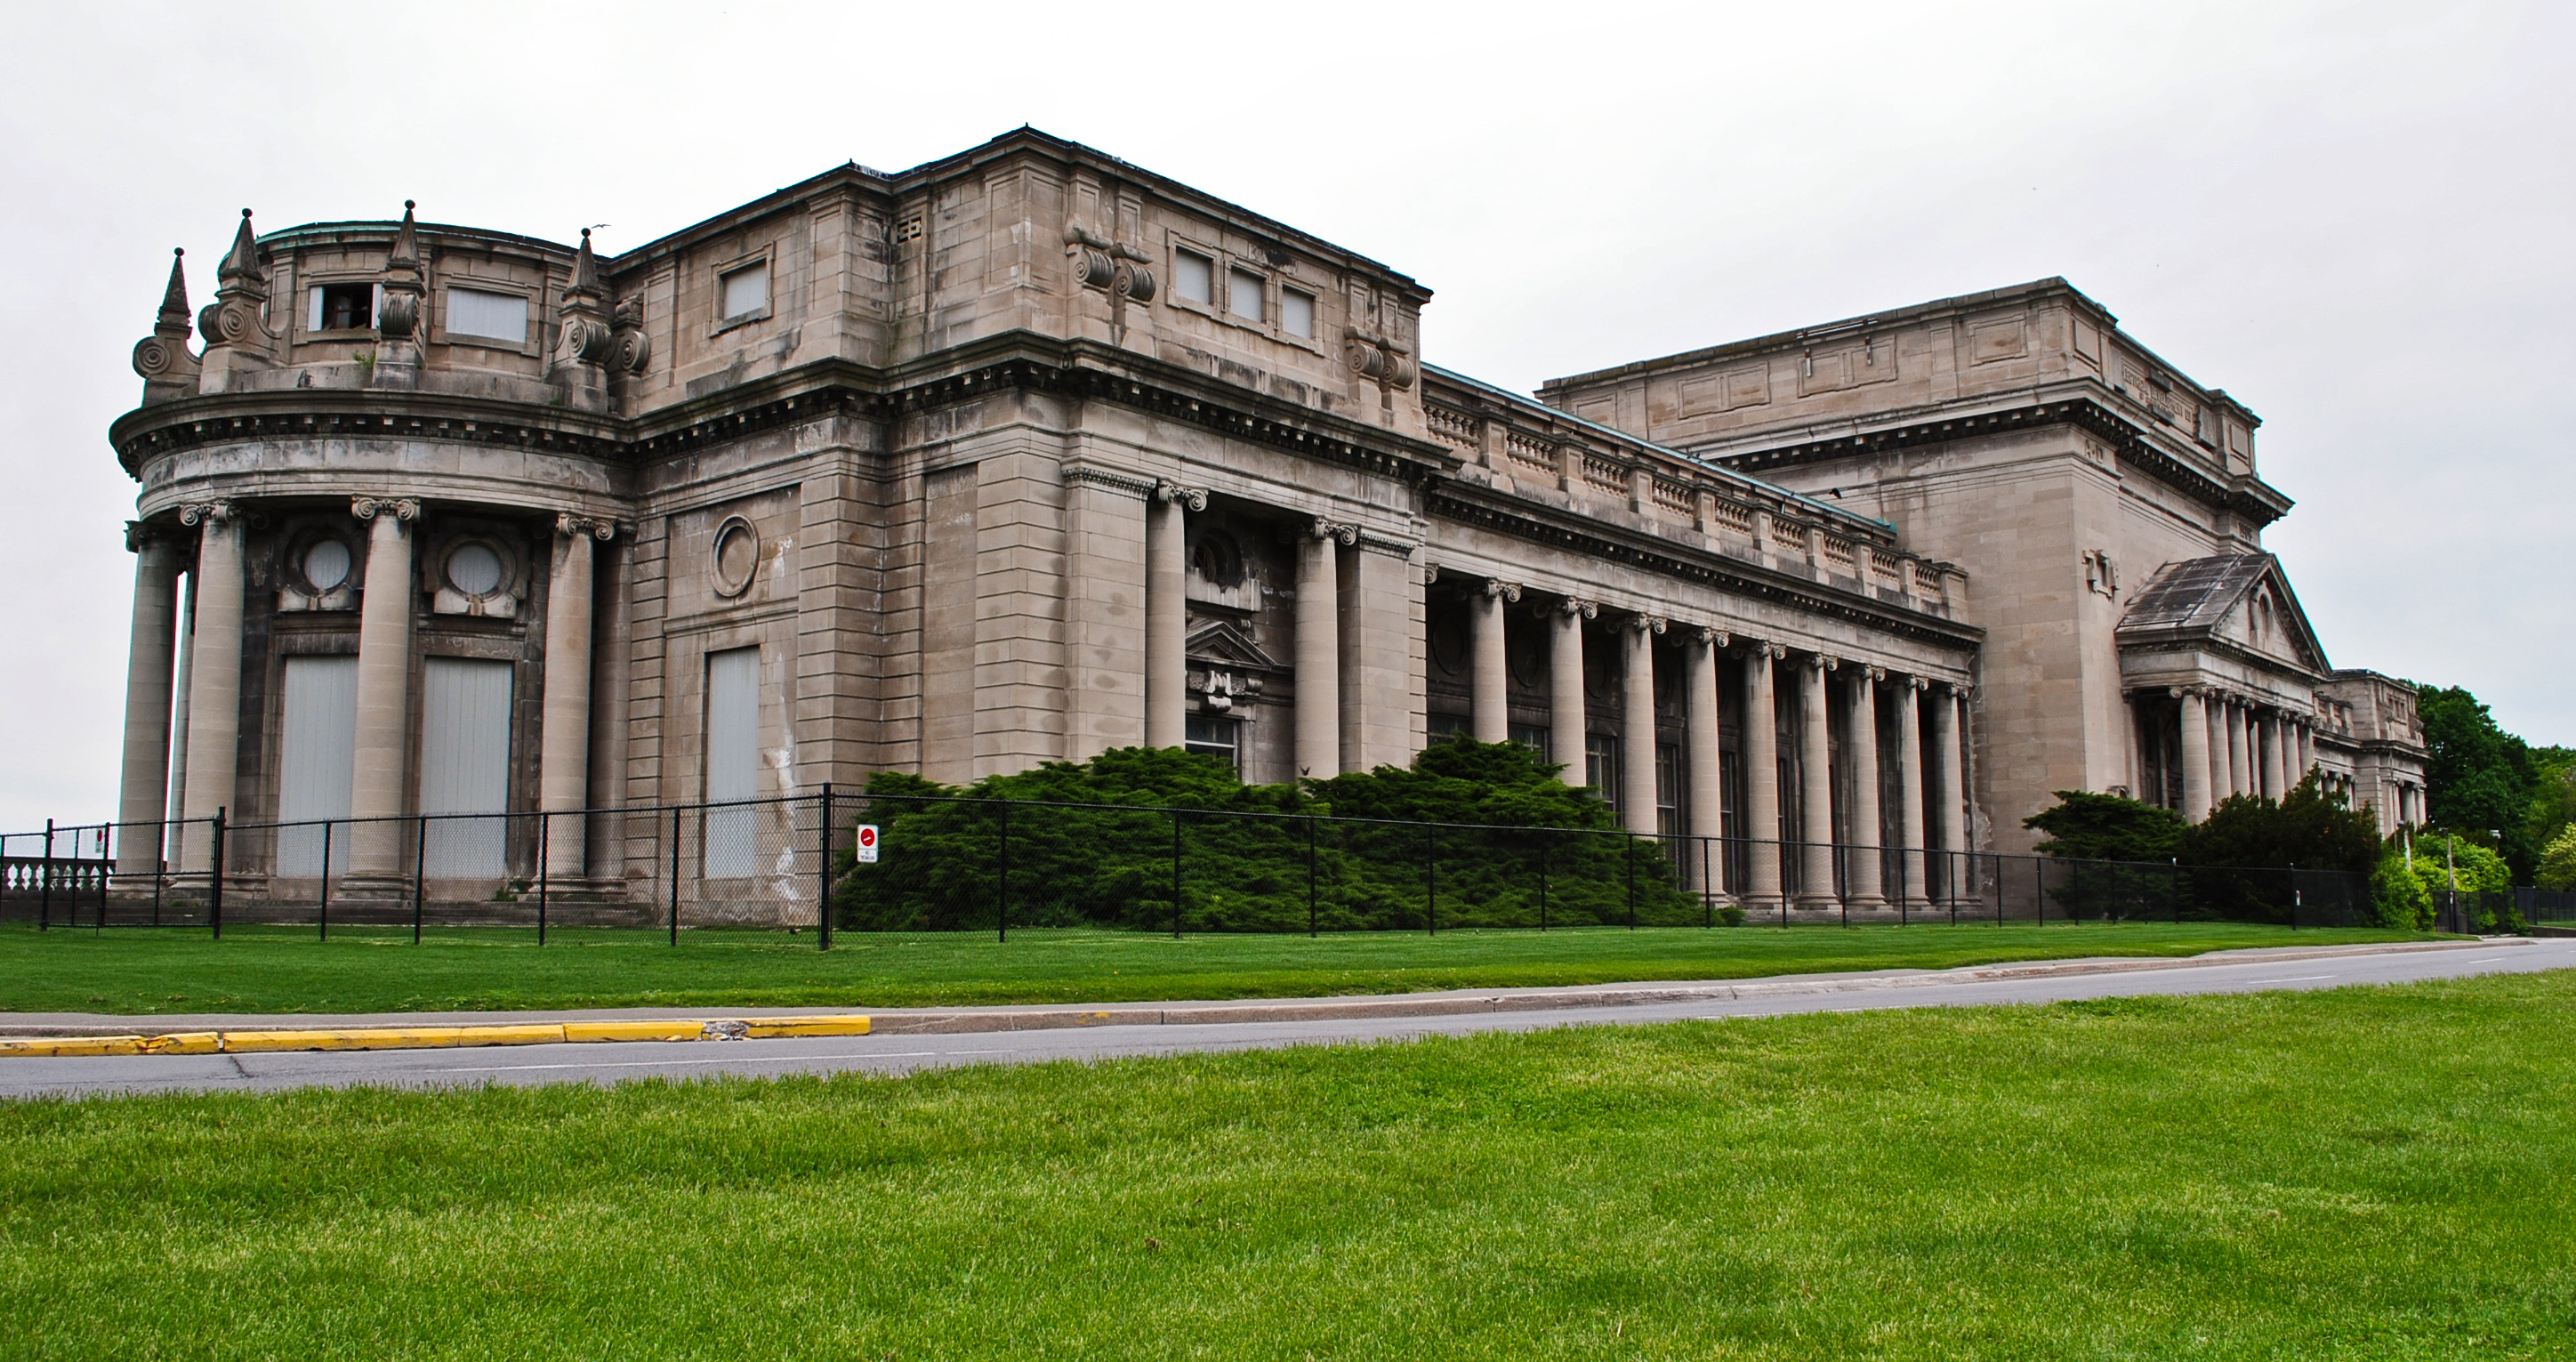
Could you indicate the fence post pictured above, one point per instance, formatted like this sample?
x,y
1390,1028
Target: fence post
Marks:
x,y
45,883
1310,877
1632,881
545,828
160,869
1431,878
1542,881
324,907
1002,904
215,891
2293,873
675,876
1176,874
1707,890
419,877
823,875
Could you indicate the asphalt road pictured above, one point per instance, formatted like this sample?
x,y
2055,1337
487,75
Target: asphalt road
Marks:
x,y
900,1053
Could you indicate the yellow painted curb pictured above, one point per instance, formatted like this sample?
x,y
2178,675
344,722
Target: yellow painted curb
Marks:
x,y
432,1037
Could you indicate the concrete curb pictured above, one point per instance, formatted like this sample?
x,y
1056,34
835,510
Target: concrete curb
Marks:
x,y
282,1032
430,1037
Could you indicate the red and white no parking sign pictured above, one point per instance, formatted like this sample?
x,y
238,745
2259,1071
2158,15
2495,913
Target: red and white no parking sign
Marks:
x,y
867,843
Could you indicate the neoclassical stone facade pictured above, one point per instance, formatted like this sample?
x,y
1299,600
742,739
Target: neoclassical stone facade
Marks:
x,y
1029,453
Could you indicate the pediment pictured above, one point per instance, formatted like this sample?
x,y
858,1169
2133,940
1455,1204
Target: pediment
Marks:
x,y
2240,601
1226,643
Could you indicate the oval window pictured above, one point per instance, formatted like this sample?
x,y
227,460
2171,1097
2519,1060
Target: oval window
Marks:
x,y
475,570
326,564
737,556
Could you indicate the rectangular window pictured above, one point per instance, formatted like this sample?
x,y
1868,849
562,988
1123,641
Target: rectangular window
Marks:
x,y
1218,738
1601,766
340,307
464,764
496,316
1668,789
1194,278
1243,295
1531,736
733,761
1297,313
746,291
1440,726
316,761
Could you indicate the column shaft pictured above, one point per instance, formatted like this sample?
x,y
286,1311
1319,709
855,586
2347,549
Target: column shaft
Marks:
x,y
214,687
1637,728
1490,719
1565,692
1867,866
1167,627
1815,788
377,787
1941,766
1909,782
1700,720
2195,757
1760,725
563,753
177,807
145,773
2237,766
1319,668
2273,788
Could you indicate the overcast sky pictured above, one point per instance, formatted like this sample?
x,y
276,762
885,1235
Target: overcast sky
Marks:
x,y
2355,218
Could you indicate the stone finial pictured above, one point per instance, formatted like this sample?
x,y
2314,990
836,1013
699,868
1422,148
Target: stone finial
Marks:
x,y
232,322
585,270
163,360
242,265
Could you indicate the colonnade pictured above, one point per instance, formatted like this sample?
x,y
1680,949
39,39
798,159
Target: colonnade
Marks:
x,y
210,660
2237,745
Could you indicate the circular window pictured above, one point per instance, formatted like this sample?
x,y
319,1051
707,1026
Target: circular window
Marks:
x,y
474,569
326,564
736,557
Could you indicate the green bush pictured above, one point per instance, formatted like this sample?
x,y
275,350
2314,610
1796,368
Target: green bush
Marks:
x,y
2558,862
2101,827
1532,849
2398,896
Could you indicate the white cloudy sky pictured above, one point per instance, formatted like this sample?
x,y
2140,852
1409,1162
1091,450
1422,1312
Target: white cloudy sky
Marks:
x,y
2353,217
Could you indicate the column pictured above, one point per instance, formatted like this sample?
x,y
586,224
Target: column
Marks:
x,y
1815,786
1909,796
2306,750
563,746
1319,667
177,804
1761,727
1700,713
384,697
2237,765
1637,723
2216,742
1489,685
214,685
1941,767
1167,616
2195,756
1565,686
1867,861
2272,734
145,781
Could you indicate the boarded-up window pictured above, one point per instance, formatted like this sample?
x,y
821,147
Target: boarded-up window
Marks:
x,y
746,291
465,765
1243,295
499,316
733,760
316,757
1297,313
1194,278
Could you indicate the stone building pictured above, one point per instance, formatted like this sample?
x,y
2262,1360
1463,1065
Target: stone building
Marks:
x,y
1029,453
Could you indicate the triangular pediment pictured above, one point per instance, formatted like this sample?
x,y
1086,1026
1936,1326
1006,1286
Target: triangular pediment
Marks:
x,y
1226,643
2242,601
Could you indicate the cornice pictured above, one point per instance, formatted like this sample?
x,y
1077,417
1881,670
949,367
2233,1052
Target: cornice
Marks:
x,y
2250,497
1010,362
1468,505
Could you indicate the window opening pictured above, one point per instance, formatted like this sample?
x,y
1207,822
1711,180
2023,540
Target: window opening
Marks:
x,y
1212,737
496,316
1194,278
1243,295
1297,313
746,291
342,307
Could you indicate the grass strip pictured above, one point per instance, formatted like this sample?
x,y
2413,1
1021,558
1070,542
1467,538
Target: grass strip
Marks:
x,y
268,969
2363,1173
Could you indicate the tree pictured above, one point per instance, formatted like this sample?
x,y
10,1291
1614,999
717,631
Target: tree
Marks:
x,y
2101,827
2558,862
2479,780
2244,850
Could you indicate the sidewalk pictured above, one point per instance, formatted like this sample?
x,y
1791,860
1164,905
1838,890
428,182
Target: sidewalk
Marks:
x,y
1024,1017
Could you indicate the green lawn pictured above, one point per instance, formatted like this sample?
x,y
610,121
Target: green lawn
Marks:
x,y
2367,1173
283,970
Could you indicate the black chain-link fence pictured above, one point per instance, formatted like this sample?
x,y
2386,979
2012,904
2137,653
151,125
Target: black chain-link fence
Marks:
x,y
956,863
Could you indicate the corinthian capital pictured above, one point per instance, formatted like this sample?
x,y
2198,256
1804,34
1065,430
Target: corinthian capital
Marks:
x,y
404,509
